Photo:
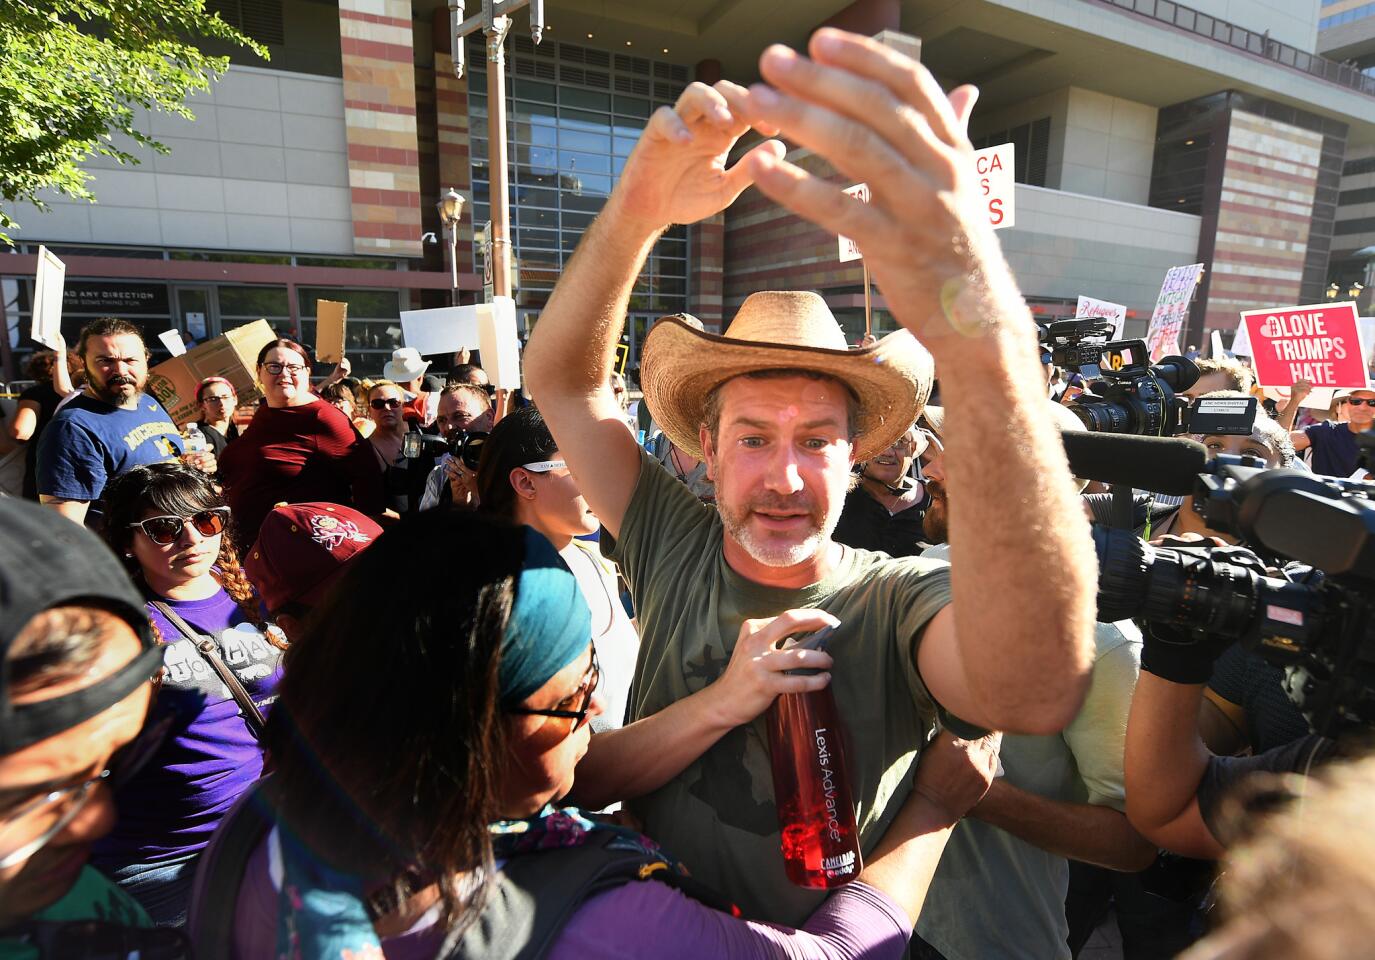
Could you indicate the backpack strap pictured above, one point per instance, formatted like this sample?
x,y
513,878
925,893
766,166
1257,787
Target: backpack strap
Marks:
x,y
537,894
220,871
210,652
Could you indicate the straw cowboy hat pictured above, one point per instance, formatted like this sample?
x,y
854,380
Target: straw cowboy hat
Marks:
x,y
680,366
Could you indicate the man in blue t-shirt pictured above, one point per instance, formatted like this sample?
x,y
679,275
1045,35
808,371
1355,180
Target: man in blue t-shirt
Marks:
x,y
1334,444
111,427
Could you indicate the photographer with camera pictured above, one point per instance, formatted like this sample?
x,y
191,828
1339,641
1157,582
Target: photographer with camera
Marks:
x,y
464,411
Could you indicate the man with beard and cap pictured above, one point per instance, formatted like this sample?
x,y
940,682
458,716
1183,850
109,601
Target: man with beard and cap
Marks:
x,y
109,428
780,409
77,665
1001,885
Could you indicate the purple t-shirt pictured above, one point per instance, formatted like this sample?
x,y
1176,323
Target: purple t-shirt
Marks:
x,y
211,756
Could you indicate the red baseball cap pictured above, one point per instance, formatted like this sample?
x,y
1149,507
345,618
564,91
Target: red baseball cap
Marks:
x,y
301,549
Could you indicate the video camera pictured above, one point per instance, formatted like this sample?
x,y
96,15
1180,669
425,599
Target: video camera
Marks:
x,y
1315,619
466,447
1137,397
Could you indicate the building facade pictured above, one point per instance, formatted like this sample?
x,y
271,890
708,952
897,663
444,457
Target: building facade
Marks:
x,y
1148,133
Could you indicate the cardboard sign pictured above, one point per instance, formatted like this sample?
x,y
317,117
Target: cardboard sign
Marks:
x,y
849,250
496,334
1116,312
171,339
440,330
47,300
997,182
232,355
331,316
1171,310
1318,342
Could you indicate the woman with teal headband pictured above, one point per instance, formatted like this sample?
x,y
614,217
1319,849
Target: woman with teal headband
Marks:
x,y
419,747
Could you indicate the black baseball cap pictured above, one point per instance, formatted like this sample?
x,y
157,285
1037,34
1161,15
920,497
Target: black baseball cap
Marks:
x,y
48,561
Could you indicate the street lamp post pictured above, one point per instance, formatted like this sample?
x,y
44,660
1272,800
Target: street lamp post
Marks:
x,y
495,22
450,207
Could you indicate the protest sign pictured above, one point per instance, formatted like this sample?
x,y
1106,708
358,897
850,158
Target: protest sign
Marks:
x,y
997,183
1216,350
1116,312
47,300
440,330
1171,310
171,339
496,334
1320,343
331,316
849,250
233,355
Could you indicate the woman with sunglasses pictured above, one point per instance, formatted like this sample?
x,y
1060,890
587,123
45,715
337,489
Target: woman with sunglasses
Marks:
x,y
426,825
884,510
221,670
403,478
297,449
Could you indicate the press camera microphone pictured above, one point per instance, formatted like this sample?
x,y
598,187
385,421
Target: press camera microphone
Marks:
x,y
1168,465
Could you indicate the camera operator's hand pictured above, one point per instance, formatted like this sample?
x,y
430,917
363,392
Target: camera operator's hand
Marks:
x,y
1179,654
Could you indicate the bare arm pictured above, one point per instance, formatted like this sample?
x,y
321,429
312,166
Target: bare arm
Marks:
x,y
74,510
952,775
1290,411
643,756
1300,440
881,118
1165,763
1079,831
25,420
676,174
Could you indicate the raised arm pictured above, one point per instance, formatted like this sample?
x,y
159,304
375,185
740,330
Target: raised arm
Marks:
x,y
1013,651
676,174
1290,411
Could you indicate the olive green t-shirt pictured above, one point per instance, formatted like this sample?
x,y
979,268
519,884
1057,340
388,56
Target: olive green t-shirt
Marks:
x,y
718,815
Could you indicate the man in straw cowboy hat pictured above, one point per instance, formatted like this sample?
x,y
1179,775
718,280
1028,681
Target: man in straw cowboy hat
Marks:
x,y
779,410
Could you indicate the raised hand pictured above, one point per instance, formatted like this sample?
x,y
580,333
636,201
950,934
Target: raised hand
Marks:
x,y
880,117
677,172
757,673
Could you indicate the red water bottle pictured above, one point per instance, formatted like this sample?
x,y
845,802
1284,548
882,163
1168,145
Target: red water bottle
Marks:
x,y
811,786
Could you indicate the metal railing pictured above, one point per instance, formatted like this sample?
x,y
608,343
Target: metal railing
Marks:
x,y
1261,44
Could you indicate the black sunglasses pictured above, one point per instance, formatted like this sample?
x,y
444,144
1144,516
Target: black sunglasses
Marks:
x,y
1357,401
565,709
385,403
165,530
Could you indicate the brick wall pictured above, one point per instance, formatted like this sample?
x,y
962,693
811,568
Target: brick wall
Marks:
x,y
455,165
375,38
1264,215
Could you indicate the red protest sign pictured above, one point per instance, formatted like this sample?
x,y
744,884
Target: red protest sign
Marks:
x,y
1320,342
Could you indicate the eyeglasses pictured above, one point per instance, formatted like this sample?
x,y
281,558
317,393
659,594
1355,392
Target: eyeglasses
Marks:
x,y
166,530
544,466
276,369
384,403
27,830
581,696
1357,401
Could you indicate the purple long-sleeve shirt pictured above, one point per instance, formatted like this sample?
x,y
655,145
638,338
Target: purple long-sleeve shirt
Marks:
x,y
637,920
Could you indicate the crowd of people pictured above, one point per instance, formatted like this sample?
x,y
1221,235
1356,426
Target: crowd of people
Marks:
x,y
415,668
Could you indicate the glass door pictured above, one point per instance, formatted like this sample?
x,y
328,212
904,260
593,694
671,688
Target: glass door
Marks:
x,y
195,313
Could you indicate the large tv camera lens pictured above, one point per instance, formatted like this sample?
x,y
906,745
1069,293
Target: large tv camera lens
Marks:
x,y
1221,591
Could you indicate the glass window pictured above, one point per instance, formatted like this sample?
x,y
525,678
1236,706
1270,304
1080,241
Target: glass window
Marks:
x,y
578,140
584,99
632,106
584,162
255,302
535,91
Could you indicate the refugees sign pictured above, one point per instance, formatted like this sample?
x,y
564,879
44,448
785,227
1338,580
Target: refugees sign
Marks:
x,y
1116,312
1320,343
1171,309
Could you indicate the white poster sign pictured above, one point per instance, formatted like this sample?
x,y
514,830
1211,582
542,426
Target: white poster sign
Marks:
x,y
849,250
1116,312
47,300
497,339
171,339
441,330
997,183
